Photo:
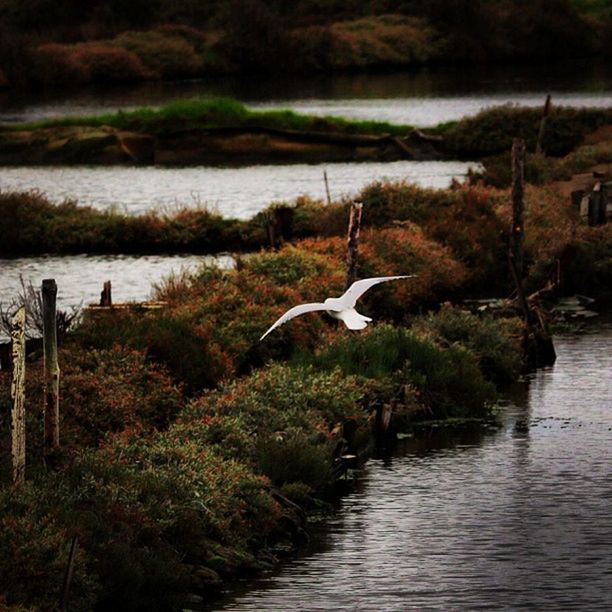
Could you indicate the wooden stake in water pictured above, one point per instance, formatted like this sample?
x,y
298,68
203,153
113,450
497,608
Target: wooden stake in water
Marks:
x,y
327,187
18,445
52,372
353,237
106,295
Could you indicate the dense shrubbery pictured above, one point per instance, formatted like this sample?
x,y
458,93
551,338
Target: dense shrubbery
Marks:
x,y
155,484
491,131
31,224
449,381
380,40
250,35
495,342
455,239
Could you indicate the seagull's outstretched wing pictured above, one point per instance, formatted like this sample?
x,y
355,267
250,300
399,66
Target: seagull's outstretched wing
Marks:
x,y
358,288
295,312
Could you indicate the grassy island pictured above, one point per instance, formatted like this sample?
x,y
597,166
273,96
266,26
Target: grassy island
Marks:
x,y
225,132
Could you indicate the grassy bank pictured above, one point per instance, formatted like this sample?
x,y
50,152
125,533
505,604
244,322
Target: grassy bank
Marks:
x,y
172,488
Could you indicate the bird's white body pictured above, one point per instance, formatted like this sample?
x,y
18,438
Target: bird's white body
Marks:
x,y
341,308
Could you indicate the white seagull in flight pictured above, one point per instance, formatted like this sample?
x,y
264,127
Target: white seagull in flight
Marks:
x,y
341,308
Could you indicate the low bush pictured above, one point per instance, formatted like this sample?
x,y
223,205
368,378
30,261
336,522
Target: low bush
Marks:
x,y
491,131
295,458
448,380
280,399
389,252
495,342
55,64
35,225
112,390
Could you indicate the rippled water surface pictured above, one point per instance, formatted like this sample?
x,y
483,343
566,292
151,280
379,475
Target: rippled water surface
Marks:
x,y
234,192
514,519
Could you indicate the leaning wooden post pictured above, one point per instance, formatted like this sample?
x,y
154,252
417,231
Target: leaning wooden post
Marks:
x,y
18,446
327,187
52,372
518,206
353,237
545,113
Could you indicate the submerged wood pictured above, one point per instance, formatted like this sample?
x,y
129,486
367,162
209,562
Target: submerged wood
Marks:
x,y
230,145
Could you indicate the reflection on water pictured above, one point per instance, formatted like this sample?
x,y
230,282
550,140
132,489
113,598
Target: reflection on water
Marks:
x,y
234,192
421,97
518,518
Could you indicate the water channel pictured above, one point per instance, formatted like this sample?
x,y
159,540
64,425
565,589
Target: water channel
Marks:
x,y
513,518
233,192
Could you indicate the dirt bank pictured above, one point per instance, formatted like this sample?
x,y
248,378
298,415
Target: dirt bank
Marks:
x,y
108,145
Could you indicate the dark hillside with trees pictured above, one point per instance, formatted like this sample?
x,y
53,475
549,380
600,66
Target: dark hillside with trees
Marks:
x,y
49,42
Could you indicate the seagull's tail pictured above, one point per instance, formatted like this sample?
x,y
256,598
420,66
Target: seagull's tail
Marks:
x,y
352,319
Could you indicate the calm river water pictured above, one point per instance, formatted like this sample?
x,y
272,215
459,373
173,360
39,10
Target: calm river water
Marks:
x,y
233,192
421,97
518,518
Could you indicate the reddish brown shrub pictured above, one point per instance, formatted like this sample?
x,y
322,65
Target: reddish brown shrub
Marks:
x,y
107,63
168,56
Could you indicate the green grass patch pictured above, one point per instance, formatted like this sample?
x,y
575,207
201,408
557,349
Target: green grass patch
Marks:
x,y
217,112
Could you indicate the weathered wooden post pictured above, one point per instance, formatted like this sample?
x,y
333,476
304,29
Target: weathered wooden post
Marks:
x,y
545,113
52,372
538,344
518,207
18,446
353,237
106,298
327,187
